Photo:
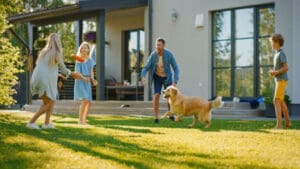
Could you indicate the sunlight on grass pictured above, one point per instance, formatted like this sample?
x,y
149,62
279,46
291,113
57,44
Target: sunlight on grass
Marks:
x,y
135,142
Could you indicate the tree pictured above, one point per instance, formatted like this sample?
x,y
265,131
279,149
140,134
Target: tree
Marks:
x,y
10,62
67,33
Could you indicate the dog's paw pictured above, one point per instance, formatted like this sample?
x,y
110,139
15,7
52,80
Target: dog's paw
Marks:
x,y
172,118
207,126
190,126
163,117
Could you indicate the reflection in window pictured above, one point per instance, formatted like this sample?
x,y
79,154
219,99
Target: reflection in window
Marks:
x,y
266,83
265,52
243,82
222,51
266,21
222,29
244,23
244,52
240,48
266,28
222,82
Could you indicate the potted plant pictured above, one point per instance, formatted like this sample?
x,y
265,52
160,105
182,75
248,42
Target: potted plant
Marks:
x,y
268,97
288,102
270,110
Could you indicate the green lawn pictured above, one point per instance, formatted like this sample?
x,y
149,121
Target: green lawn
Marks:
x,y
135,142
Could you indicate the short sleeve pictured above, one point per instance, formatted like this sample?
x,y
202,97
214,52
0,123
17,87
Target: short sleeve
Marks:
x,y
76,69
91,63
282,57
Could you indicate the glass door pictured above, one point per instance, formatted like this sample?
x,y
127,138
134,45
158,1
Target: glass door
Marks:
x,y
134,55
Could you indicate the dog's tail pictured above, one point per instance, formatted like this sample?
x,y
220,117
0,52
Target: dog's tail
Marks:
x,y
217,103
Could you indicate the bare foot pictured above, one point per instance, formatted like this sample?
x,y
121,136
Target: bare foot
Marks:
x,y
82,123
277,127
288,125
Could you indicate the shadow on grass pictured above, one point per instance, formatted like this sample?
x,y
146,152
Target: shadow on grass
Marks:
x,y
65,136
134,130
216,125
128,154
119,122
131,155
12,155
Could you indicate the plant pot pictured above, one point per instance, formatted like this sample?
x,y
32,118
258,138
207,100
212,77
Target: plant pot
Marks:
x,y
289,106
270,110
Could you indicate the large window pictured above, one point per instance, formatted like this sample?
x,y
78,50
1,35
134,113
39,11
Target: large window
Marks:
x,y
241,51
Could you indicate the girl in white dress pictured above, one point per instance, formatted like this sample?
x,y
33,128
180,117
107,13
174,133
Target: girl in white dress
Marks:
x,y
44,79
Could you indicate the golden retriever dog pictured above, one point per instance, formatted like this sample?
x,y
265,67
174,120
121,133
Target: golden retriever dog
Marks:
x,y
186,106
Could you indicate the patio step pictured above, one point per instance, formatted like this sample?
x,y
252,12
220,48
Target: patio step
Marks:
x,y
238,110
229,109
102,107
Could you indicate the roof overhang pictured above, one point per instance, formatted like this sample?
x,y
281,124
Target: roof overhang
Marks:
x,y
81,10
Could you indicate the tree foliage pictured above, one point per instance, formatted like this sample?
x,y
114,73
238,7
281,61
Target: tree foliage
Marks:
x,y
67,34
10,63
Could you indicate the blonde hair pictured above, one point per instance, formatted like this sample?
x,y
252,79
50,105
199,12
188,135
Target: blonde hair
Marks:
x,y
80,47
53,49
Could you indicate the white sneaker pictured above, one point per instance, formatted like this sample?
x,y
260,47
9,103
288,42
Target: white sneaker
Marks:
x,y
48,126
32,126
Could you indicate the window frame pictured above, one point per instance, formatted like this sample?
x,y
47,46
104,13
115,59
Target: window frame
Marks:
x,y
125,62
256,53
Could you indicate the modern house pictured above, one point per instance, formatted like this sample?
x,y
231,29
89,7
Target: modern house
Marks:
x,y
221,47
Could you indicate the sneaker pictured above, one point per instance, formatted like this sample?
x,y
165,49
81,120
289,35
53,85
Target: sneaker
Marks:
x,y
48,126
172,118
32,126
156,121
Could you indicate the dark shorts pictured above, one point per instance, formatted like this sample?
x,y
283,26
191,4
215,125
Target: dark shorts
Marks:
x,y
159,82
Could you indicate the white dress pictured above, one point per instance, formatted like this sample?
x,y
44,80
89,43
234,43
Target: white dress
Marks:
x,y
44,78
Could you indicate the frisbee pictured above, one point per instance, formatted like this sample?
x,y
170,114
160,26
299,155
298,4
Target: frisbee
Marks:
x,y
77,58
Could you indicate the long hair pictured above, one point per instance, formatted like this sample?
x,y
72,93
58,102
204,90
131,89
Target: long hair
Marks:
x,y
80,47
53,49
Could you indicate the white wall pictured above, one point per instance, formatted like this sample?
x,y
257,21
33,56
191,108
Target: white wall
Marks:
x,y
191,46
287,23
117,22
295,70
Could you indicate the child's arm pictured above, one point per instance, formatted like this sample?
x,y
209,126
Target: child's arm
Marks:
x,y
94,82
284,69
62,76
67,72
80,77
